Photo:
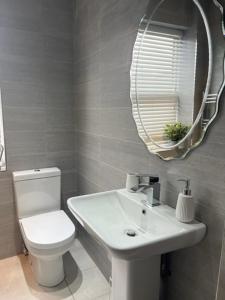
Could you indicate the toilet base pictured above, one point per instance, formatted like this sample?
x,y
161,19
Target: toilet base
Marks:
x,y
48,272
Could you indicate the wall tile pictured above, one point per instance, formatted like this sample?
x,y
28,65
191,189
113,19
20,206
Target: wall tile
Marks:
x,y
57,48
21,42
89,145
119,96
88,94
118,123
36,77
21,95
86,187
64,160
118,18
60,141
18,69
221,287
20,119
110,178
88,121
11,19
56,23
116,53
21,142
87,69
126,156
20,8
89,168
69,182
27,161
59,119
10,239
65,6
58,98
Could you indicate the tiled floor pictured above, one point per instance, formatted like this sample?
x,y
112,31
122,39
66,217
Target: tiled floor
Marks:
x,y
83,279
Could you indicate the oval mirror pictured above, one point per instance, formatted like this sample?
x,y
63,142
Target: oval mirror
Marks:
x,y
171,73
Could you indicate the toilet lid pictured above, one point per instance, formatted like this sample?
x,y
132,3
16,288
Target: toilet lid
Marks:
x,y
48,230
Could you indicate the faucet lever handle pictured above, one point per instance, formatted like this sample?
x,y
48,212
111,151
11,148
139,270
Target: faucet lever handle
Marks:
x,y
151,178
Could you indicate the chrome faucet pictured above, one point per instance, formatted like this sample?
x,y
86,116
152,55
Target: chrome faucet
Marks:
x,y
150,186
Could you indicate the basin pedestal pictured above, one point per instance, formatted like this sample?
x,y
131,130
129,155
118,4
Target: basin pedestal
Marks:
x,y
136,279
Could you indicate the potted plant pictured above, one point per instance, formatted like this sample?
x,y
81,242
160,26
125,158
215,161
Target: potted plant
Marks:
x,y
176,131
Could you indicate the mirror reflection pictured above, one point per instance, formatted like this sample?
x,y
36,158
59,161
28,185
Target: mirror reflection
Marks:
x,y
169,76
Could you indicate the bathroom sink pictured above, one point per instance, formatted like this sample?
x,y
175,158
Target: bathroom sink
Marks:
x,y
136,236
128,228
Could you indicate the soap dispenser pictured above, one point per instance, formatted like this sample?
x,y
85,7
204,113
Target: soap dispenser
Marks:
x,y
185,210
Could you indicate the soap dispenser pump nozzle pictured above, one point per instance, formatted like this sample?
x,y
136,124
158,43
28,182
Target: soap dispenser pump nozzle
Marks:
x,y
187,190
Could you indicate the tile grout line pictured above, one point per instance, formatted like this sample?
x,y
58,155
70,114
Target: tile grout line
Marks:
x,y
68,286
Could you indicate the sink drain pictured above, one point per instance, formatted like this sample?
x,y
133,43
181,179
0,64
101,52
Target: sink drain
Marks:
x,y
130,232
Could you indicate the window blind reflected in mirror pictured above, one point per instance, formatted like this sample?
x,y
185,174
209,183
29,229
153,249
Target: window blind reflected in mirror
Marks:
x,y
155,80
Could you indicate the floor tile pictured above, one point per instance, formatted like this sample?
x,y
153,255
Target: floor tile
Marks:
x,y
13,284
89,284
83,279
18,283
104,297
76,245
82,259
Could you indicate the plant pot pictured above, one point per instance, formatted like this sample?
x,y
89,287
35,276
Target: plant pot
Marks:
x,y
172,143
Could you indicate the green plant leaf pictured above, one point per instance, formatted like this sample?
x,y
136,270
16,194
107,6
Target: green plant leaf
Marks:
x,y
176,131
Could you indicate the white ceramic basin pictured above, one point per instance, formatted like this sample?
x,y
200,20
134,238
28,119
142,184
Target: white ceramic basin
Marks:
x,y
109,215
135,259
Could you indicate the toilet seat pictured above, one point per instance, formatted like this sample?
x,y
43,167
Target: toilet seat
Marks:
x,y
48,230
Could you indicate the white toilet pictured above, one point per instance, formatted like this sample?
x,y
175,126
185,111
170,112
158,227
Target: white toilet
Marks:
x,y
47,231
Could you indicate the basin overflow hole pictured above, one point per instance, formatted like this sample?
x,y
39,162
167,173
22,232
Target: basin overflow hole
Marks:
x,y
130,232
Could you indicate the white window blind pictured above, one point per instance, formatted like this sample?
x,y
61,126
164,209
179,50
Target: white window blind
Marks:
x,y
155,76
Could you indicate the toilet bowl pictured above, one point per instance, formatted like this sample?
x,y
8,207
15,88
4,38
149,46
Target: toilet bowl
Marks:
x,y
47,237
47,231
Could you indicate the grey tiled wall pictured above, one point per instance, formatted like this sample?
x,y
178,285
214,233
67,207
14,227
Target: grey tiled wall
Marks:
x,y
108,144
10,239
36,79
221,285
